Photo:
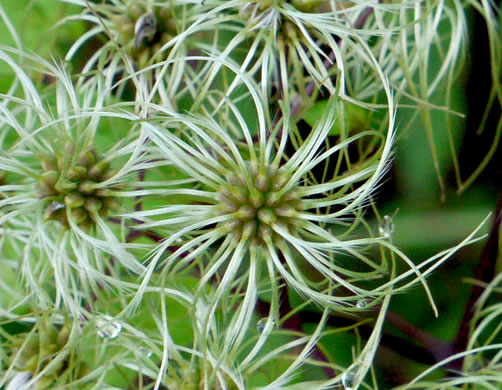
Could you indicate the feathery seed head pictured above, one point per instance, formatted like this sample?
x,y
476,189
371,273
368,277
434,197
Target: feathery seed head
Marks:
x,y
58,173
260,206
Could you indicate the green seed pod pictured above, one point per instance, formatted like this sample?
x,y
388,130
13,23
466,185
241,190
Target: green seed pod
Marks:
x,y
108,175
306,5
233,179
290,31
47,349
86,225
60,163
261,182
47,181
93,205
249,229
30,349
256,198
245,212
279,182
87,187
271,171
232,226
74,200
267,216
273,198
104,192
49,163
227,207
290,196
265,232
63,335
78,215
110,203
254,169
286,211
76,173
69,148
86,158
98,169
63,186
239,194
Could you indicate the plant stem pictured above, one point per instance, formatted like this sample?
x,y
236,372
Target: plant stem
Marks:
x,y
485,272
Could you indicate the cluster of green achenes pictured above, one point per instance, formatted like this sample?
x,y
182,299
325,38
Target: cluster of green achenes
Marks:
x,y
208,159
75,182
259,203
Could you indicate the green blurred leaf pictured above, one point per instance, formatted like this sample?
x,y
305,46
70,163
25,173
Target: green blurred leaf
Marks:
x,y
354,117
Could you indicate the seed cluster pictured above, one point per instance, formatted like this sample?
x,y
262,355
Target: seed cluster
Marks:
x,y
142,32
259,202
301,5
288,32
73,185
40,350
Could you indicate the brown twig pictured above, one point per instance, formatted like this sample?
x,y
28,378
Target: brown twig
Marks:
x,y
485,272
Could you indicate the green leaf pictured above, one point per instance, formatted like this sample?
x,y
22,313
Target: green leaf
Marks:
x,y
354,119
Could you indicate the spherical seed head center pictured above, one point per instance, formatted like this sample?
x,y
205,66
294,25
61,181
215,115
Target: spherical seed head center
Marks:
x,y
258,201
72,185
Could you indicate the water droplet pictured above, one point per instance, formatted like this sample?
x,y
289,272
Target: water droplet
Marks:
x,y
361,303
19,380
145,352
107,327
55,206
475,365
261,325
348,378
386,227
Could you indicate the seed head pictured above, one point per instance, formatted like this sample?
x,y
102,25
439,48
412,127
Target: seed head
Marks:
x,y
75,188
254,205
